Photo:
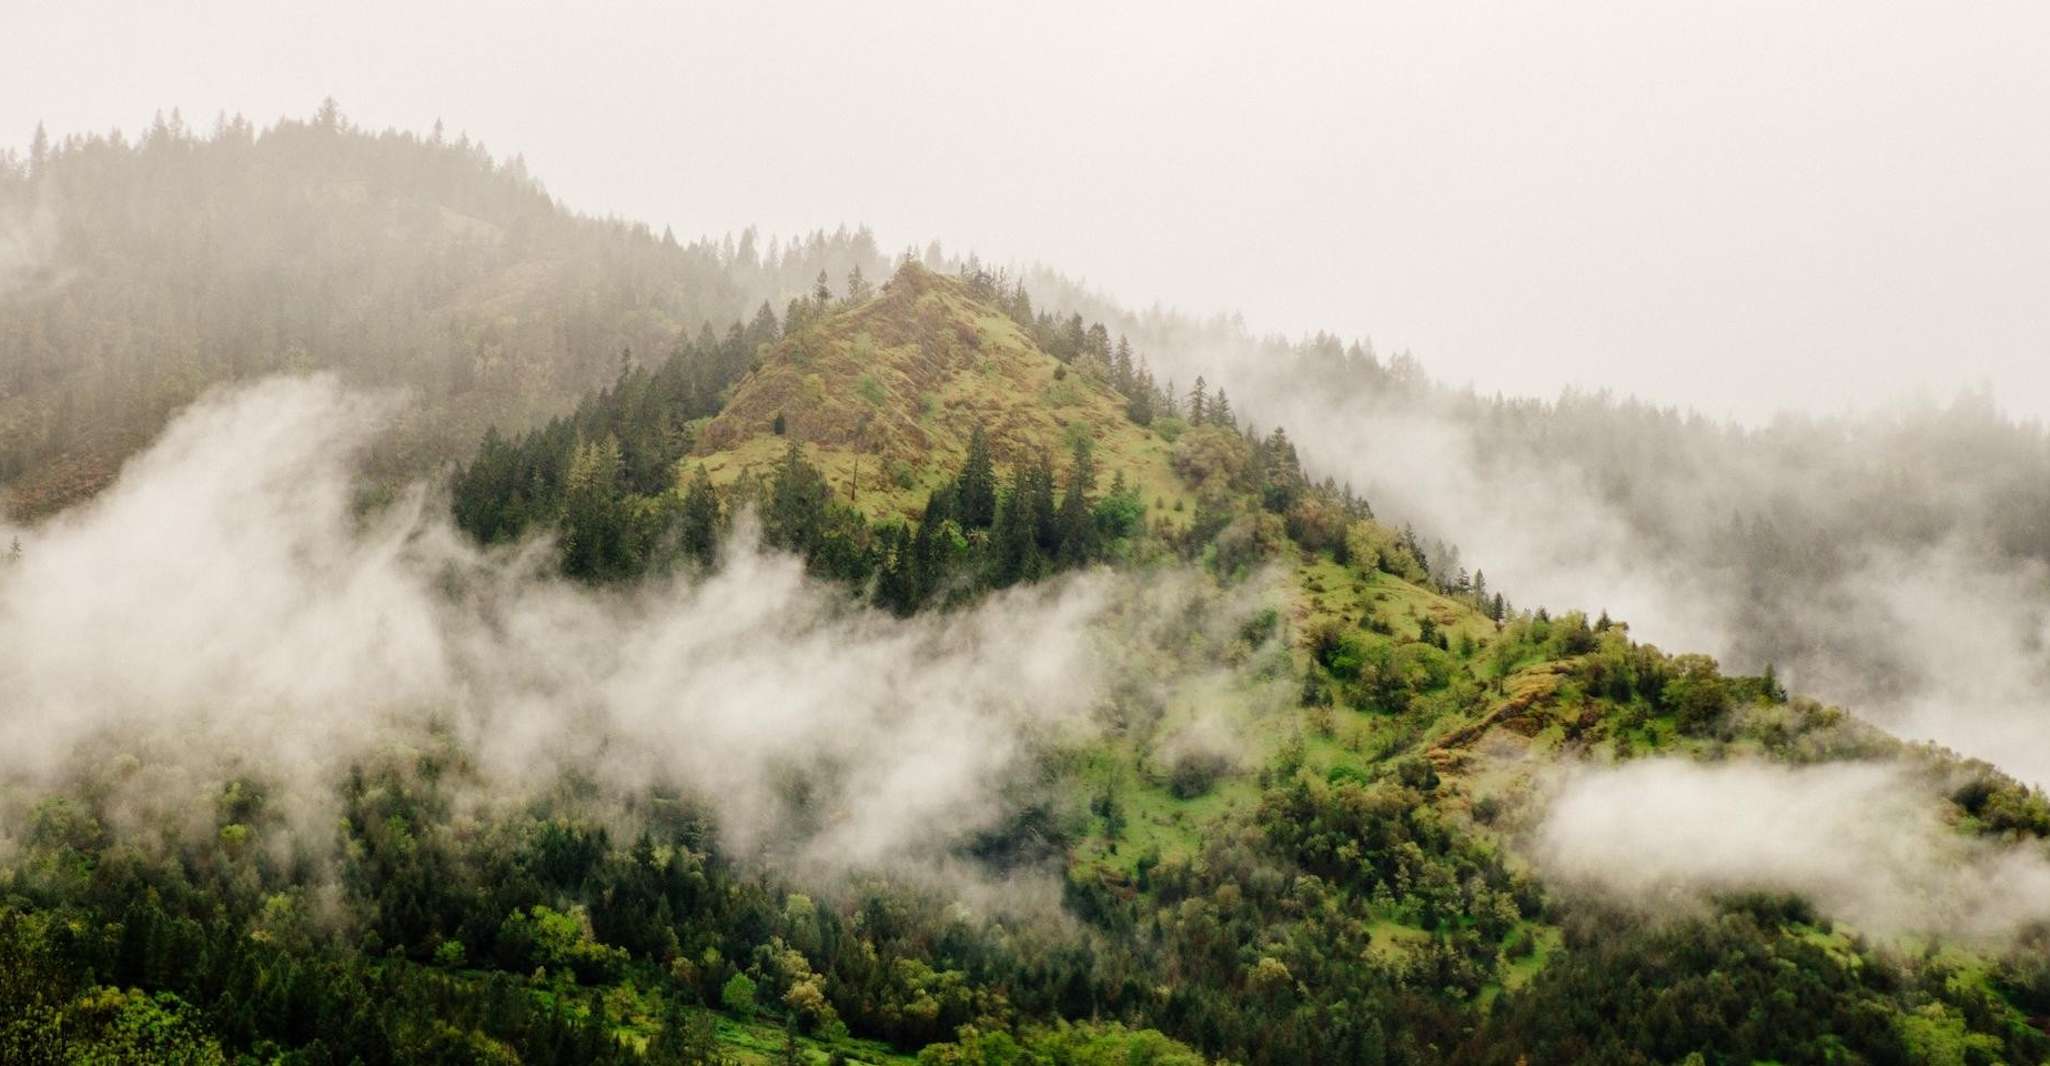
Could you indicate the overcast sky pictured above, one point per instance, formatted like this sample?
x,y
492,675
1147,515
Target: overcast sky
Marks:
x,y
1737,206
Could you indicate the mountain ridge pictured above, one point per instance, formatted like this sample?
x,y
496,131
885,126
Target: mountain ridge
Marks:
x,y
1302,824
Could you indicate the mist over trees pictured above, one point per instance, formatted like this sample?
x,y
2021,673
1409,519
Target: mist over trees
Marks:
x,y
151,269
796,652
1897,559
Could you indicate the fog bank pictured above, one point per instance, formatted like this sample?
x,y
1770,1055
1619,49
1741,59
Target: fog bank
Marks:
x,y
1863,841
223,609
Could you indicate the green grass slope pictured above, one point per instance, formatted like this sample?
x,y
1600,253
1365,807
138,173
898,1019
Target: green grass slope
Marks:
x,y
885,394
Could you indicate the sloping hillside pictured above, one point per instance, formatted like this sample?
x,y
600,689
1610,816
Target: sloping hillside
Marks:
x,y
1291,822
886,394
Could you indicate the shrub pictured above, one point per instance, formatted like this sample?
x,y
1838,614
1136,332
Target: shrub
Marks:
x,y
1195,773
738,996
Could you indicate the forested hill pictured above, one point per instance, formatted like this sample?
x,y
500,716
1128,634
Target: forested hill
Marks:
x,y
848,796
929,410
134,275
1325,857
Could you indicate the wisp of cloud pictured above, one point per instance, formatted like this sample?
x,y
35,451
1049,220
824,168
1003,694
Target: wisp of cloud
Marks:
x,y
224,606
1863,841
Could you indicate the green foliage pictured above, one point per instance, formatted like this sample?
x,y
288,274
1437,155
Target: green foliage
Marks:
x,y
700,520
1695,693
544,937
1740,987
1351,897
1089,1044
1194,773
738,995
604,479
975,490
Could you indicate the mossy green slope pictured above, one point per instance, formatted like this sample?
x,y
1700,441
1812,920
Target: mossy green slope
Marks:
x,y
884,395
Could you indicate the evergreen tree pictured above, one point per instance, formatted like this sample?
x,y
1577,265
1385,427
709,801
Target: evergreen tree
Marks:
x,y
679,1041
1077,526
1043,508
858,288
700,525
897,578
1073,341
38,151
1014,554
1143,405
1097,343
975,493
1407,541
1198,404
822,292
762,330
797,503
931,548
593,542
1220,411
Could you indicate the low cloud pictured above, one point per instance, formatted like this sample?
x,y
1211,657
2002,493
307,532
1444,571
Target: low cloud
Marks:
x,y
1865,842
1893,562
224,607
28,248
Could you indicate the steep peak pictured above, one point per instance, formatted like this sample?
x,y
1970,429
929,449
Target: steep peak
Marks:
x,y
885,393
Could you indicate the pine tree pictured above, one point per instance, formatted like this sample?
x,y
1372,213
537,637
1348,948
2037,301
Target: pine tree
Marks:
x,y
858,288
763,329
1013,553
1121,368
1140,407
1220,411
1042,506
593,544
896,580
38,152
822,293
1198,404
975,495
1077,529
1074,340
672,1045
797,503
931,548
700,523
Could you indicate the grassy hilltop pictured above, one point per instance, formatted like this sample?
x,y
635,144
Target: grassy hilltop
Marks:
x,y
885,394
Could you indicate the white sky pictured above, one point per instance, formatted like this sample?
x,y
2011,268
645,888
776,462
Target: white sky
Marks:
x,y
1735,205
